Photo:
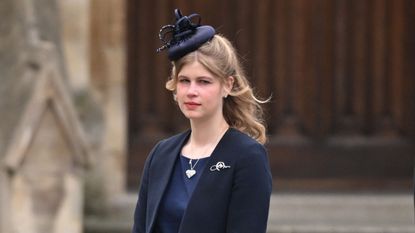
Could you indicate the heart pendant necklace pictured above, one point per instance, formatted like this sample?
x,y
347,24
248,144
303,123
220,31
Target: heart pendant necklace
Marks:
x,y
191,172
209,147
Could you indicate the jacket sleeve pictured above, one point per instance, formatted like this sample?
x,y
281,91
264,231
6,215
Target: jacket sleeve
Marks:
x,y
139,225
251,191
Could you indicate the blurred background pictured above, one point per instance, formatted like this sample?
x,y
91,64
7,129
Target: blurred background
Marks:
x,y
83,102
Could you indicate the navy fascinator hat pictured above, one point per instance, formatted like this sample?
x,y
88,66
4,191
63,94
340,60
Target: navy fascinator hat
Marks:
x,y
185,36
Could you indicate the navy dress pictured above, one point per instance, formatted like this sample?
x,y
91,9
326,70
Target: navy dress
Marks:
x,y
178,193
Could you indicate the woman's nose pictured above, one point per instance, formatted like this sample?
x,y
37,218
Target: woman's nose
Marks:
x,y
193,89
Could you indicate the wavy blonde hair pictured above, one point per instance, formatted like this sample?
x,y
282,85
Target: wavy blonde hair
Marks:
x,y
241,109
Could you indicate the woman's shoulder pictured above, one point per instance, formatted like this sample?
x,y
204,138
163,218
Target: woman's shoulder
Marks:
x,y
177,137
166,145
246,151
243,143
173,140
242,139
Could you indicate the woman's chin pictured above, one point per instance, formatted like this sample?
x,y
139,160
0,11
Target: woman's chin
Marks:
x,y
192,115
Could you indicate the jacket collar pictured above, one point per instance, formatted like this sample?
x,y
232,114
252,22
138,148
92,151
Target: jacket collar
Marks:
x,y
162,168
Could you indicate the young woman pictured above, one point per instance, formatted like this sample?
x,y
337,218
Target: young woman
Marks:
x,y
215,177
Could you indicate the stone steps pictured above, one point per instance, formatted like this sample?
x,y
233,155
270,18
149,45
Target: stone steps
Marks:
x,y
303,213
342,213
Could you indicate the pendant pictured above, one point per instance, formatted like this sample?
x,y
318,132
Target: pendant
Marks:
x,y
190,173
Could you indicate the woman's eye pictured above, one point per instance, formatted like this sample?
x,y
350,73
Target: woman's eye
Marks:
x,y
183,80
205,81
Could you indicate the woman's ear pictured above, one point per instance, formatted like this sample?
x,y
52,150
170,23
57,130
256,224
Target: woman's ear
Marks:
x,y
228,86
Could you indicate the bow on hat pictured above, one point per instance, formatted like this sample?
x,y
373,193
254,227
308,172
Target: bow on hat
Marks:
x,y
185,36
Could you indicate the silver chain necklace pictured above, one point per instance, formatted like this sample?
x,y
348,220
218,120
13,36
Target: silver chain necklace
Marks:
x,y
191,172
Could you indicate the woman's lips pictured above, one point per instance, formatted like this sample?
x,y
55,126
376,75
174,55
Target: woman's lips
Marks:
x,y
191,105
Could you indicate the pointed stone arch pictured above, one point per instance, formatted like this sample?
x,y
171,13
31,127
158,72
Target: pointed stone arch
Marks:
x,y
44,162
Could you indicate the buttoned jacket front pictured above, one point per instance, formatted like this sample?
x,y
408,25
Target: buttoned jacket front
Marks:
x,y
225,200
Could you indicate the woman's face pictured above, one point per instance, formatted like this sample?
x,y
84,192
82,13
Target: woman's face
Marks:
x,y
199,93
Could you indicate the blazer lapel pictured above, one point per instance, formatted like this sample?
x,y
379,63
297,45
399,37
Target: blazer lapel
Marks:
x,y
219,154
161,171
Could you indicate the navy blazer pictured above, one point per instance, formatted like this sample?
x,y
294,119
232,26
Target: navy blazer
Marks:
x,y
231,200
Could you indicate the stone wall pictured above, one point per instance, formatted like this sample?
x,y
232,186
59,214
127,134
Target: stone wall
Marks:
x,y
87,39
12,41
14,47
42,169
43,151
92,33
107,72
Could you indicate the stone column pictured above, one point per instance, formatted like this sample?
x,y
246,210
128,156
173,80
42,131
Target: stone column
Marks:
x,y
75,34
107,70
93,41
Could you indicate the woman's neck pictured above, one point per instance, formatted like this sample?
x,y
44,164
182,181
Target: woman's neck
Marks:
x,y
204,138
207,132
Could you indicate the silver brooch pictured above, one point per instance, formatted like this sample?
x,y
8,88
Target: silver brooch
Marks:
x,y
218,166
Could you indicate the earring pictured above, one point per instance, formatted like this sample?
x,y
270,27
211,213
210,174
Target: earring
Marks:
x,y
175,97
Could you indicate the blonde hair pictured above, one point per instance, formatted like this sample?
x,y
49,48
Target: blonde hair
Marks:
x,y
241,109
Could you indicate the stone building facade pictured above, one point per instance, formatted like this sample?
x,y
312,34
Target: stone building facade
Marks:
x,y
79,111
62,103
93,47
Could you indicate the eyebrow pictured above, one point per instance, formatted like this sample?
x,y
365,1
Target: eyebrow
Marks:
x,y
198,77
